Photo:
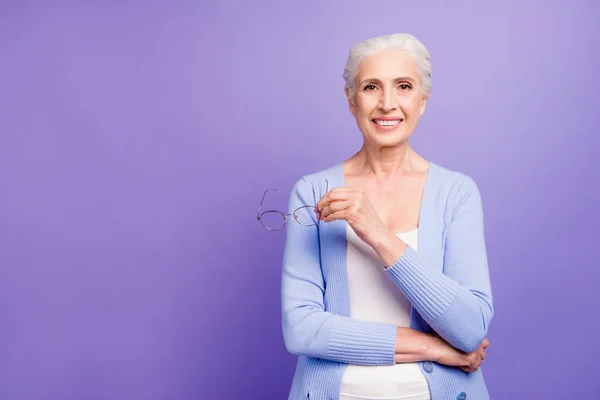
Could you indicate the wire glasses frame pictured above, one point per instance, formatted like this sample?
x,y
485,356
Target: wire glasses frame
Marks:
x,y
281,218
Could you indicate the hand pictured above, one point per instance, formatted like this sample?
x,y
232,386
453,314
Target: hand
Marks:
x,y
352,205
444,353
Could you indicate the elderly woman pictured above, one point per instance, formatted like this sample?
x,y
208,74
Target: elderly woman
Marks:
x,y
386,292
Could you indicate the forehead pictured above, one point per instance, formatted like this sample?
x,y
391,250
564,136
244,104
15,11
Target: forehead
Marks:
x,y
387,65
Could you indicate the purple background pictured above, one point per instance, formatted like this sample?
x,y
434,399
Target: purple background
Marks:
x,y
137,139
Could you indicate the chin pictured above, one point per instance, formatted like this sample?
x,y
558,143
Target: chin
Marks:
x,y
389,139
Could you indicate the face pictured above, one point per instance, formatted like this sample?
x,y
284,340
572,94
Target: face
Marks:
x,y
387,101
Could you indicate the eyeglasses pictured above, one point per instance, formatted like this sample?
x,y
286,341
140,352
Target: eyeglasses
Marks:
x,y
275,220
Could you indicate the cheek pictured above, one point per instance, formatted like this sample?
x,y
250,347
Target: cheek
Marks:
x,y
412,105
366,105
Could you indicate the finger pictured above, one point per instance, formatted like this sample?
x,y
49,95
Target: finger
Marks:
x,y
343,189
481,353
334,207
339,193
472,366
330,197
338,215
474,359
485,343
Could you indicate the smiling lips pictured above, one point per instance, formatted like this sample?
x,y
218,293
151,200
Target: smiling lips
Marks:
x,y
387,123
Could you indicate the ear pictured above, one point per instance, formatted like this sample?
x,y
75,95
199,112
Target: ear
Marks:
x,y
423,105
351,104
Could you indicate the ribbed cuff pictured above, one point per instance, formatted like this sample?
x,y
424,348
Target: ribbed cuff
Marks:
x,y
363,342
429,291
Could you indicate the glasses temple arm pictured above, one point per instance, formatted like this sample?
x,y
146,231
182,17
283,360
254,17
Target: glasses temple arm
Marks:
x,y
261,202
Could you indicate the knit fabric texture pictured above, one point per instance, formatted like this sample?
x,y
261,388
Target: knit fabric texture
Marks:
x,y
447,282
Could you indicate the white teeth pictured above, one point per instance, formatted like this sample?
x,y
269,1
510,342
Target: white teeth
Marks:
x,y
387,123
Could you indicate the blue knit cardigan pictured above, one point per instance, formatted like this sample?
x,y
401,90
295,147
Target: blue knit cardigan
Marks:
x,y
447,282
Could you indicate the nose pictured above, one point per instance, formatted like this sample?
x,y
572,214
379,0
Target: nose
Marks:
x,y
387,101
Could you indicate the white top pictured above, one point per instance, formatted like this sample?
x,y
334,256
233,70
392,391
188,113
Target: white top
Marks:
x,y
375,297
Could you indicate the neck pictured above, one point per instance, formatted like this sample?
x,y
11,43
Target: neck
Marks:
x,y
383,162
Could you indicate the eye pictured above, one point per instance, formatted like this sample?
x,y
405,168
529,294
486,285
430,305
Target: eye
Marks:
x,y
405,86
370,87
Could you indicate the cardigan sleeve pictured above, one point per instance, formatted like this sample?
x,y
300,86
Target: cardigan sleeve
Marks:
x,y
455,302
308,328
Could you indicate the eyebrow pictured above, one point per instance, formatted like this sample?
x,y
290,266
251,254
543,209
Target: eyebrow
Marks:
x,y
404,78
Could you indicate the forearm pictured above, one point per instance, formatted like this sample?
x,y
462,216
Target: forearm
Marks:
x,y
313,332
458,314
388,246
413,345
359,342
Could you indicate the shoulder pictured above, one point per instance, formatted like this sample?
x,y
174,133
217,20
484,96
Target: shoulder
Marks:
x,y
331,173
317,182
455,187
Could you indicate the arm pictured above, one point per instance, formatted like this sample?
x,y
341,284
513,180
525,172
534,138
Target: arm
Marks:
x,y
413,346
308,329
456,303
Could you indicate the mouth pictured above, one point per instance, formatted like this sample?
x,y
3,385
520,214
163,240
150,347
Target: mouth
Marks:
x,y
387,123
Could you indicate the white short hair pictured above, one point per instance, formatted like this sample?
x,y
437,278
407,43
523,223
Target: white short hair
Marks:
x,y
401,41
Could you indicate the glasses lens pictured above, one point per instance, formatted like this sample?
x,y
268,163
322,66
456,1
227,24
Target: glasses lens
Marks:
x,y
272,220
305,215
